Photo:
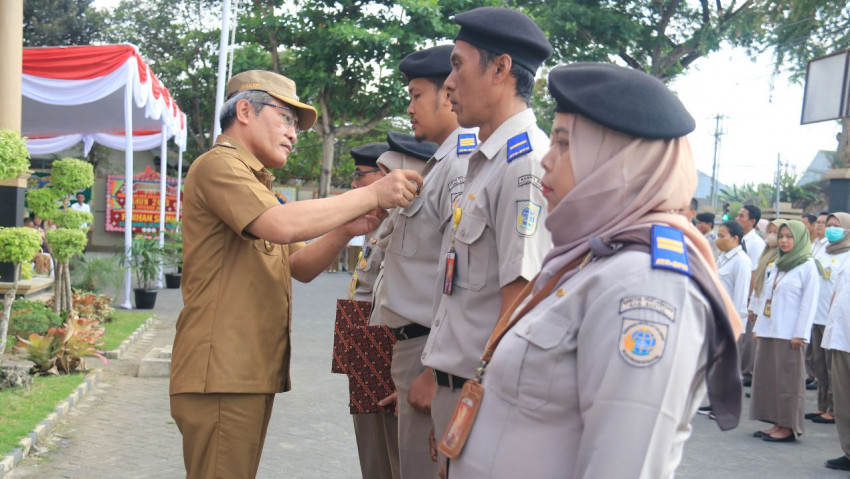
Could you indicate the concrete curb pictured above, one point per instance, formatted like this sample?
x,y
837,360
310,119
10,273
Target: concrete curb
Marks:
x,y
44,427
119,351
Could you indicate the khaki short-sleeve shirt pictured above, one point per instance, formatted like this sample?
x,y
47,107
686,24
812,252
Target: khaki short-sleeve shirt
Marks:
x,y
500,237
233,333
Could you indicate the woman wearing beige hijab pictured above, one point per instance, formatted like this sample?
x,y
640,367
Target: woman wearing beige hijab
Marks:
x,y
606,356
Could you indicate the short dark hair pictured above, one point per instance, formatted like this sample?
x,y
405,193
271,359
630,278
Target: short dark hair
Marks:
x,y
824,213
754,212
694,204
524,78
706,218
810,218
736,230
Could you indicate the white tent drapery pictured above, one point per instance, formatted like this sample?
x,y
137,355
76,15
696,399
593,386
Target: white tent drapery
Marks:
x,y
97,94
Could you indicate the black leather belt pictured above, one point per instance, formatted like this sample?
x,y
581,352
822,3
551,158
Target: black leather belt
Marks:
x,y
410,331
449,380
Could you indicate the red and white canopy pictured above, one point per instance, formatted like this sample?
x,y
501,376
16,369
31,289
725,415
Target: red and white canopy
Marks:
x,y
79,93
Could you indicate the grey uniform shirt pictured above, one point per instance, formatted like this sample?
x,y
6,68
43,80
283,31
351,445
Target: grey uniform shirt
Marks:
x,y
414,245
500,238
599,380
369,265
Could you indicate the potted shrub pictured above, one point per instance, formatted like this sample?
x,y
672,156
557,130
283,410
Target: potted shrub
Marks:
x,y
17,245
173,256
144,260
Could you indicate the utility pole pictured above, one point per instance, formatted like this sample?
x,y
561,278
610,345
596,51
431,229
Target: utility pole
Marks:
x,y
778,181
714,167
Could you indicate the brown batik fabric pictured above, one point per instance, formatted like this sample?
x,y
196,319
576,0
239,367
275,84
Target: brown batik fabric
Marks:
x,y
363,353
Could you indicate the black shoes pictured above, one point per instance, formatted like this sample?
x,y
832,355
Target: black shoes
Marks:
x,y
705,410
839,463
747,382
812,384
812,415
823,420
789,438
759,434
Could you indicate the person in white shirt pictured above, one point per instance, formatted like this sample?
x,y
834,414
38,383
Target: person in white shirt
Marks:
x,y
81,205
705,225
733,265
830,258
747,217
836,339
746,343
819,241
791,288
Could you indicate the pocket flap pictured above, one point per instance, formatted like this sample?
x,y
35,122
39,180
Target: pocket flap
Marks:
x,y
414,207
545,333
470,228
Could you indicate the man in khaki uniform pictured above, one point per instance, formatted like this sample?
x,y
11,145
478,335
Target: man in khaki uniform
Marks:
x,y
406,299
231,352
497,234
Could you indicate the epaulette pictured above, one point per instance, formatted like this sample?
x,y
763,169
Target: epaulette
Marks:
x,y
518,146
466,143
668,250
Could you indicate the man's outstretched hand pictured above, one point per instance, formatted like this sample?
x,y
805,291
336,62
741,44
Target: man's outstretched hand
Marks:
x,y
398,188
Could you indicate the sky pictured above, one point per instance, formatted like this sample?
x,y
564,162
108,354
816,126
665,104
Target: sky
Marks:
x,y
761,121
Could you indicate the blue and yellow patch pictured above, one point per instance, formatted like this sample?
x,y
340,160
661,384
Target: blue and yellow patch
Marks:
x,y
642,342
466,143
518,146
527,214
669,250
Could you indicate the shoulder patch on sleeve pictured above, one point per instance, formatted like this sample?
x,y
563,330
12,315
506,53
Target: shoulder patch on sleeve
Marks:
x,y
529,179
527,214
651,303
518,146
466,143
642,342
669,250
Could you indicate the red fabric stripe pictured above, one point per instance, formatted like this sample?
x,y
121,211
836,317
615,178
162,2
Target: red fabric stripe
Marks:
x,y
79,62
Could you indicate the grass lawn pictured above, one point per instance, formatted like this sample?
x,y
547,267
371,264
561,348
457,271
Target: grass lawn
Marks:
x,y
122,327
23,409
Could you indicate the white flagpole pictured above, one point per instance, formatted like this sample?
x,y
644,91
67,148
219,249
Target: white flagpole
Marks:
x,y
222,68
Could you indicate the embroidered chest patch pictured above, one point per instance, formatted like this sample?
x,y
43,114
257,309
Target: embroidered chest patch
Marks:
x,y
642,342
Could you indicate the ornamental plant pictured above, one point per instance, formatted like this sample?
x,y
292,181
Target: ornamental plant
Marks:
x,y
14,157
64,244
44,202
73,219
17,245
62,350
69,175
144,259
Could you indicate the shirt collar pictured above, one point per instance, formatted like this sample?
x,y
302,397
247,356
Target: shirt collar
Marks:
x,y
520,122
263,175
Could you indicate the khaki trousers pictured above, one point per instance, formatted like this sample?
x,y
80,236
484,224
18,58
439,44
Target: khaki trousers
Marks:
x,y
223,434
841,396
377,445
442,408
821,365
413,426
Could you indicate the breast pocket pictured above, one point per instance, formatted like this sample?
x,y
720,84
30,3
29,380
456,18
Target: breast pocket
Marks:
x,y
405,239
529,382
473,252
267,248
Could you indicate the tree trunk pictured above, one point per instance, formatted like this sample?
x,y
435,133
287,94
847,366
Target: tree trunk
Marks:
x,y
843,151
57,286
8,299
327,164
69,294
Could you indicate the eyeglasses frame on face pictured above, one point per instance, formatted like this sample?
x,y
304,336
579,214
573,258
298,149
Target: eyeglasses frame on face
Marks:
x,y
361,174
291,121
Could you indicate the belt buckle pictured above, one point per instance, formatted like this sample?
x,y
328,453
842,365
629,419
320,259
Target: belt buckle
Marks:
x,y
434,372
401,333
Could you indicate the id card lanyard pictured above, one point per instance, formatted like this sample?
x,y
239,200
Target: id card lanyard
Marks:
x,y
466,409
451,256
776,281
361,263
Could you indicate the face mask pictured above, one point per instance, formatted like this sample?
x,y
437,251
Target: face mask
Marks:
x,y
771,240
724,244
834,234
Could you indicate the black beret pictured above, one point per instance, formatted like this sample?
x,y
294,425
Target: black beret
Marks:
x,y
620,98
431,62
706,217
502,30
408,145
367,154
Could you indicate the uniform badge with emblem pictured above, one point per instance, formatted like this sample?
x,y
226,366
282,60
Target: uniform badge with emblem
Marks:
x,y
527,214
466,143
642,342
518,146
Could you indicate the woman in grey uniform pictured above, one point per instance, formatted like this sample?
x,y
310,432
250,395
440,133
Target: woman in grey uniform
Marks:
x,y
607,354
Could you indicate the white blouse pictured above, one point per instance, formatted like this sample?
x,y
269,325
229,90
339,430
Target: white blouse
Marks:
x,y
830,263
791,298
837,332
735,270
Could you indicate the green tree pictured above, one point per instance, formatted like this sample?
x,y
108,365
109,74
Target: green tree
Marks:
x,y
344,56
61,22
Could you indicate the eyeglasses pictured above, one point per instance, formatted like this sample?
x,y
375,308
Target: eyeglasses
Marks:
x,y
361,173
288,117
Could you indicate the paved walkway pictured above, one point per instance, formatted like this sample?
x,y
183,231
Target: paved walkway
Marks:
x,y
124,429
